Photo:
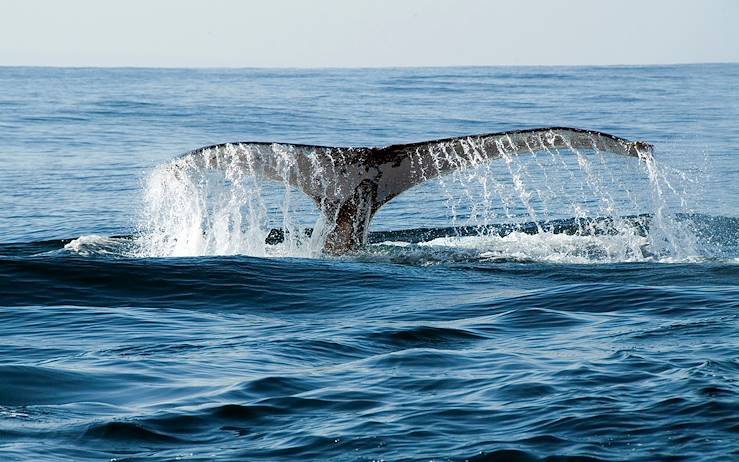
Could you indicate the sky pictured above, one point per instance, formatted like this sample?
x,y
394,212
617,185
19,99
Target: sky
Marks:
x,y
366,33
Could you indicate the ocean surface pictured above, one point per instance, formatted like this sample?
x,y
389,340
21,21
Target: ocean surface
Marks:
x,y
554,306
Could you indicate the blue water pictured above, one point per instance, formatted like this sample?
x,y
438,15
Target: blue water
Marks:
x,y
447,343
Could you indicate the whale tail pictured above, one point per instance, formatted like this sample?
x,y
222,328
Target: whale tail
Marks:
x,y
349,185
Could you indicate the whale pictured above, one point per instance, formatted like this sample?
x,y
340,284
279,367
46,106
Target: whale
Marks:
x,y
350,184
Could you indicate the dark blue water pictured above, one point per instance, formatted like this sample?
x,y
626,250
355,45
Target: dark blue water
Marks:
x,y
539,340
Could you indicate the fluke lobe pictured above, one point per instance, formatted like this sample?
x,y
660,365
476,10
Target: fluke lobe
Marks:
x,y
350,184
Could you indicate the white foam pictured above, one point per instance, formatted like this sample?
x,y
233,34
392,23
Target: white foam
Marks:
x,y
94,244
542,247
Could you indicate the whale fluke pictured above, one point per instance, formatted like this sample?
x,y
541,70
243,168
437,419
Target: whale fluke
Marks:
x,y
350,184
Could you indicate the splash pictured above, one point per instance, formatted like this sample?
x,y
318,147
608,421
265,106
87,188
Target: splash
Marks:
x,y
191,209
226,202
97,245
518,246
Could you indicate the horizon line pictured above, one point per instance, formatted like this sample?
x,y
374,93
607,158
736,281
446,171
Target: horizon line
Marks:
x,y
380,67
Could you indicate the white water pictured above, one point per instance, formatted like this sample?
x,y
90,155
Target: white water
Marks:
x,y
193,209
518,246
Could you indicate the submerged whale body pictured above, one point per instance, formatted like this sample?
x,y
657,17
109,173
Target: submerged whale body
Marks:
x,y
350,184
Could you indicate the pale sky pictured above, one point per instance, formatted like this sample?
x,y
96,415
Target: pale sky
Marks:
x,y
365,33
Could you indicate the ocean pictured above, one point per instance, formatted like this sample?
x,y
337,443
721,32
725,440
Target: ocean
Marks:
x,y
552,306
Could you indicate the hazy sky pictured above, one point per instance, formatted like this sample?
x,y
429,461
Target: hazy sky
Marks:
x,y
352,33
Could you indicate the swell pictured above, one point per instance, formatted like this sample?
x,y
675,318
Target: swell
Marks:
x,y
603,372
24,385
464,419
223,282
228,283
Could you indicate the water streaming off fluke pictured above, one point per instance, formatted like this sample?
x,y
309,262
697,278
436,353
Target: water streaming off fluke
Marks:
x,y
235,198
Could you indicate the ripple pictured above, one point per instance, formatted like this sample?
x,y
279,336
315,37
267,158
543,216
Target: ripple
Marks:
x,y
128,432
426,336
33,385
514,455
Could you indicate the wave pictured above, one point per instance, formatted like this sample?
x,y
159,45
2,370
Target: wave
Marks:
x,y
569,241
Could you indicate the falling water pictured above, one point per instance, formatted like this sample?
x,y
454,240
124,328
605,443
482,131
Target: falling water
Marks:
x,y
621,209
191,208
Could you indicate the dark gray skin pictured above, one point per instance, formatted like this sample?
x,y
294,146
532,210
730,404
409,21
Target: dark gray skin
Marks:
x,y
349,185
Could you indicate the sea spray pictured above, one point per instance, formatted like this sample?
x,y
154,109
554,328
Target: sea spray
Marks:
x,y
222,203
191,208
